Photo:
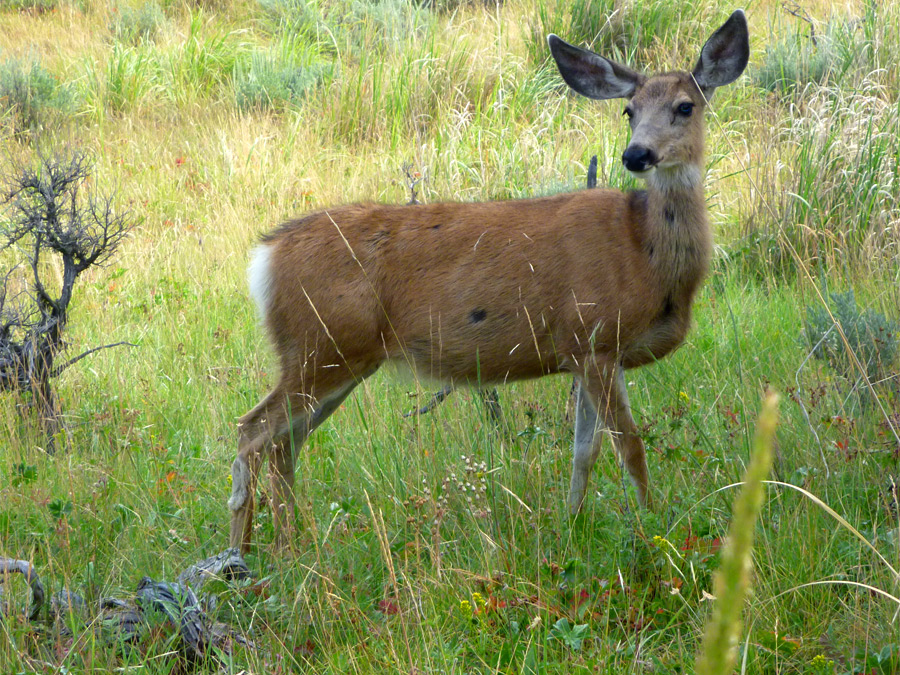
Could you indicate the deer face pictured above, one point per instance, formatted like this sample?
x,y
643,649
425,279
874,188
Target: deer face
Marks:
x,y
665,111
666,118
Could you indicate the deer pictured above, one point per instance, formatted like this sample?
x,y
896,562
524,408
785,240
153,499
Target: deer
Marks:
x,y
590,283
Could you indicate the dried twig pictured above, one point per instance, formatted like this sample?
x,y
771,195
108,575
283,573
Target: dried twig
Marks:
x,y
796,10
76,359
50,214
413,178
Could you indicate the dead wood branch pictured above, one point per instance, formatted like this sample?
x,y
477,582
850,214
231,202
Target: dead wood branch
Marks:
x,y
53,218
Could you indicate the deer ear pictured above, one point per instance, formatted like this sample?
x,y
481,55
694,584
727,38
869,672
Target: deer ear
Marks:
x,y
590,74
725,55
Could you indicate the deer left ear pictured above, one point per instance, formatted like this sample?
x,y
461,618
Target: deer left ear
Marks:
x,y
724,56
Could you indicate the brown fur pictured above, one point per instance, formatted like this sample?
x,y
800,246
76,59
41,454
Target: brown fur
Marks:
x,y
491,292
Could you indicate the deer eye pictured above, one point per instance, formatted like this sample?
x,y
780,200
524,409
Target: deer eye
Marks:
x,y
685,109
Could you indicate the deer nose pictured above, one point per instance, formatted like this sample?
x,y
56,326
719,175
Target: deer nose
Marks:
x,y
638,158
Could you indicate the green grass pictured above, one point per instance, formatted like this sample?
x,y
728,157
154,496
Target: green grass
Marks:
x,y
393,568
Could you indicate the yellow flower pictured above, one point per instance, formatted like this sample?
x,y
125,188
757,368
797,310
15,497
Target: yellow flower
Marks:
x,y
819,662
661,541
478,599
684,397
465,606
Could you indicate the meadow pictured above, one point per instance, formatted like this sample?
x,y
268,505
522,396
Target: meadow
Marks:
x,y
438,543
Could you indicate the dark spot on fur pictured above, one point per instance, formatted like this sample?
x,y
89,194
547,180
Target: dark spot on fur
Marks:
x,y
670,215
477,315
668,307
436,227
649,250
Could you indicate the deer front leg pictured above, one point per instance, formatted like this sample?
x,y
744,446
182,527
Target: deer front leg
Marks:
x,y
606,389
585,450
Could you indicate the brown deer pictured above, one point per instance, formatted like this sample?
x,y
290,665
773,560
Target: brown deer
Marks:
x,y
589,283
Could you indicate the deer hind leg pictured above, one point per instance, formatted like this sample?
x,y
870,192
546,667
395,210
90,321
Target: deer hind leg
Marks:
x,y
491,400
279,425
255,436
605,389
284,458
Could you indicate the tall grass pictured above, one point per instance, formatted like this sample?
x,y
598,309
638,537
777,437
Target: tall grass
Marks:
x,y
732,581
804,56
352,27
649,33
835,202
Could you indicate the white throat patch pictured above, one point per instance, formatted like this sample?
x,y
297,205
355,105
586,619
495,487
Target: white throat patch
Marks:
x,y
683,177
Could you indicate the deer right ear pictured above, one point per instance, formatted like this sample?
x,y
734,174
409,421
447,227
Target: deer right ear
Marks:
x,y
590,74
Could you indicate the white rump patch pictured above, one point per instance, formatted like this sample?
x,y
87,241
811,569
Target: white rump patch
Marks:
x,y
259,277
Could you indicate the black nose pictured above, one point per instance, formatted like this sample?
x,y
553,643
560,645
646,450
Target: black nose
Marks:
x,y
638,158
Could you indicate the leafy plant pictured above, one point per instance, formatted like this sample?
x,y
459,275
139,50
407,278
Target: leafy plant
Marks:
x,y
60,508
571,636
267,81
24,474
803,57
133,24
883,662
871,336
30,94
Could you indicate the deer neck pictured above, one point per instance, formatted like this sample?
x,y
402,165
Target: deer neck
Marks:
x,y
679,239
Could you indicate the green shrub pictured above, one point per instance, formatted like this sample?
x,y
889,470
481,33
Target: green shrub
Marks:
x,y
30,94
295,16
267,81
871,336
355,25
39,6
797,59
133,24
